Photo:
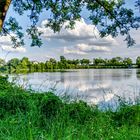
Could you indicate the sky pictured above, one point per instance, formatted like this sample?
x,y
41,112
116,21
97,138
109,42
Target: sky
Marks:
x,y
81,42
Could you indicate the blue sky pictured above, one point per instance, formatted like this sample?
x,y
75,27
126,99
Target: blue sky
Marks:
x,y
73,44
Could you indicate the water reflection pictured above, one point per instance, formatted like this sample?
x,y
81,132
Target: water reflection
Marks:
x,y
92,85
138,74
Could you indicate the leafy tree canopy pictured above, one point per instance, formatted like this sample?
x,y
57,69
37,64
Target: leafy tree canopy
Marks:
x,y
111,16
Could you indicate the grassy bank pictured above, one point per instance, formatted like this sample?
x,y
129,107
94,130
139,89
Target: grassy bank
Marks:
x,y
43,116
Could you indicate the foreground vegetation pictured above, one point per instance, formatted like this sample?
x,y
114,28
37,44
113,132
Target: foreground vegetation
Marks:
x,y
24,65
44,116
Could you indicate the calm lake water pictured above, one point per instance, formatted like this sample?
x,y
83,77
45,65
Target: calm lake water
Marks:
x,y
92,85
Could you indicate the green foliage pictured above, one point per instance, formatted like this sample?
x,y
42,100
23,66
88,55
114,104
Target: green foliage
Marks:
x,y
11,104
25,65
138,61
80,112
127,115
116,61
13,63
4,83
99,61
112,17
85,61
30,115
12,99
127,61
50,106
12,26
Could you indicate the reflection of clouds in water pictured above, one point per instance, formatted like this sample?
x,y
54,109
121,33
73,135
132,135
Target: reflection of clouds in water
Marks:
x,y
108,97
86,86
99,99
93,86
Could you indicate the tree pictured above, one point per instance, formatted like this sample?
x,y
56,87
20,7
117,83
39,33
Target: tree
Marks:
x,y
63,62
2,62
76,62
53,61
2,65
24,63
85,61
62,59
127,61
12,64
138,61
111,15
98,61
116,61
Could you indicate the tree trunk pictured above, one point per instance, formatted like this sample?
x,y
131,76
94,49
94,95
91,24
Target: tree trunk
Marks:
x,y
4,6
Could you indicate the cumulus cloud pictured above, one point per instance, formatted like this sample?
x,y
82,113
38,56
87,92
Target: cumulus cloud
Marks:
x,y
81,40
5,44
81,31
4,39
107,41
82,49
73,51
89,48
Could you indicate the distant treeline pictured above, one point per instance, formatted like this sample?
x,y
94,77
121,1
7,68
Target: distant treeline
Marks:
x,y
25,65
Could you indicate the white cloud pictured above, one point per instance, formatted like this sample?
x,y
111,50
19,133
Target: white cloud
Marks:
x,y
4,39
81,31
6,45
106,41
89,48
83,49
73,51
11,49
81,40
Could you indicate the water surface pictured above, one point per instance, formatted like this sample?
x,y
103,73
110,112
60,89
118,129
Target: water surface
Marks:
x,y
91,85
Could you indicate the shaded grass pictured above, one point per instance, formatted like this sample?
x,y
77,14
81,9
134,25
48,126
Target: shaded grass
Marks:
x,y
25,115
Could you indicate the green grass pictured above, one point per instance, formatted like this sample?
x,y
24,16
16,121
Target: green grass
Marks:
x,y
25,115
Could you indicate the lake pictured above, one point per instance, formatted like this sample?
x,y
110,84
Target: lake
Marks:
x,y
91,85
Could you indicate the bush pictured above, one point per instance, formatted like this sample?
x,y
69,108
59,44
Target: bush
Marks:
x,y
4,84
127,115
80,112
12,98
11,103
50,105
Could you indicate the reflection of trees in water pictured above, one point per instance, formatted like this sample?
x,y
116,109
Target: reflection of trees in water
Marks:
x,y
138,74
116,75
74,76
96,75
121,74
62,77
128,73
91,80
113,74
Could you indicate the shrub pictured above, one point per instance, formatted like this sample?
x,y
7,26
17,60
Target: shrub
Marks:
x,y
127,115
4,84
11,103
50,105
80,112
